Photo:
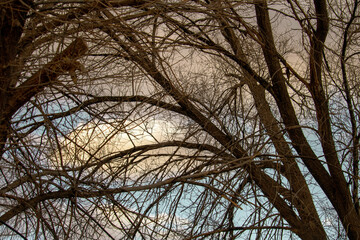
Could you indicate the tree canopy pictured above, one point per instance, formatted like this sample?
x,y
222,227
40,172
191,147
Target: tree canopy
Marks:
x,y
192,119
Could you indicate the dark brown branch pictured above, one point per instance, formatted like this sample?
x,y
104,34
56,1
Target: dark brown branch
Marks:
x,y
348,99
104,99
288,115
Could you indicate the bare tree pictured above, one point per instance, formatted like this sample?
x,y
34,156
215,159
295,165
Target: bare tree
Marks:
x,y
179,119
